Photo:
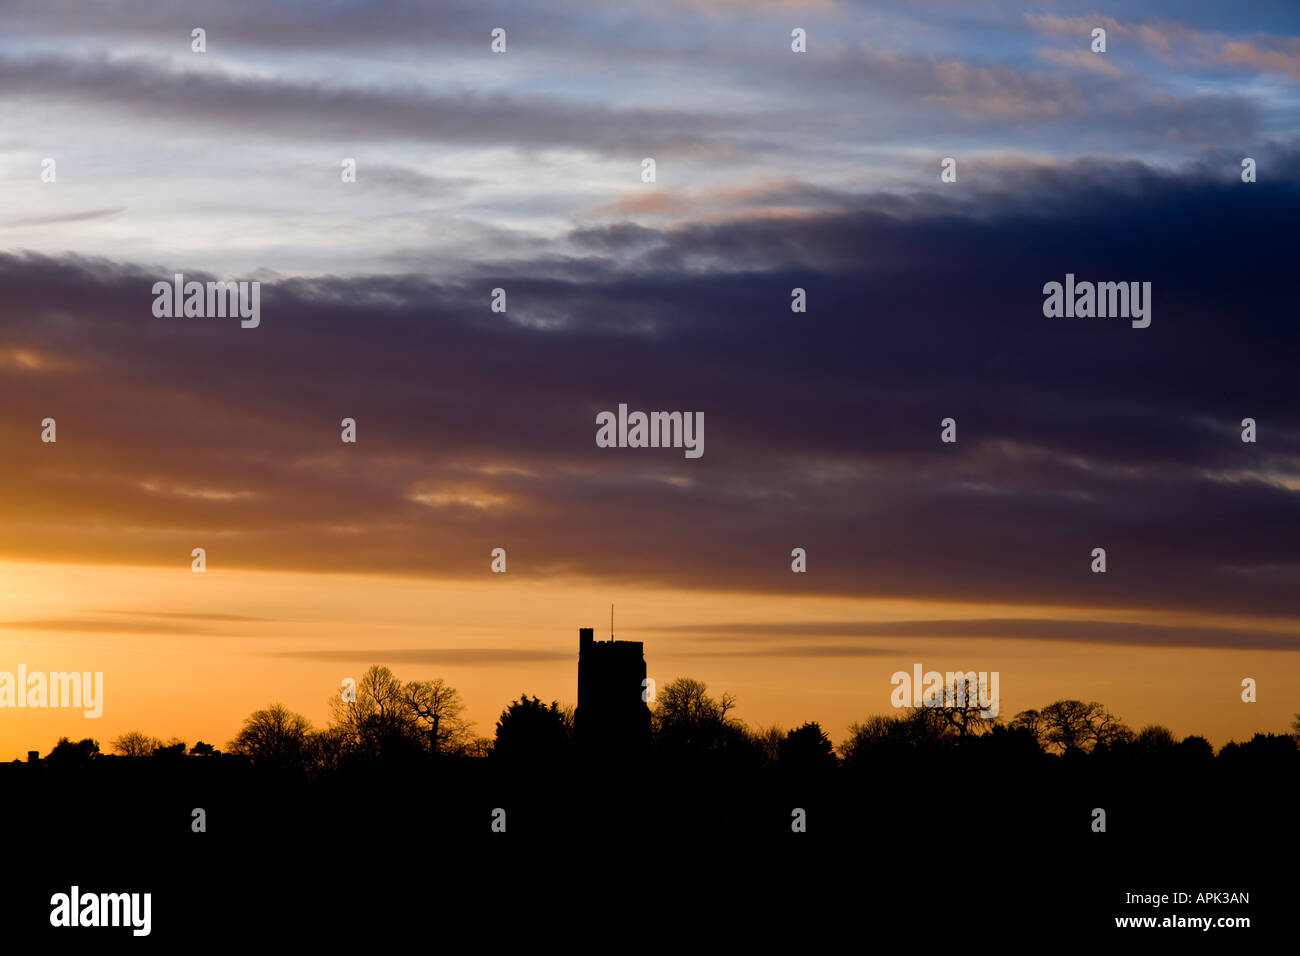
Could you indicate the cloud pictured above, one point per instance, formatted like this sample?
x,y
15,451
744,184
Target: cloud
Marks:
x,y
153,89
68,217
787,196
447,656
822,428
1081,27
1083,59
84,626
241,618
1241,53
1038,629
1181,44
795,650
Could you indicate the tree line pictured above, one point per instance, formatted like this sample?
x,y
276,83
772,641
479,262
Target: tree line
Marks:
x,y
414,721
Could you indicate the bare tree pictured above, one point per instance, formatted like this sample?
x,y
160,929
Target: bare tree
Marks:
x,y
323,750
378,693
880,736
437,707
690,724
273,737
1107,729
874,733
380,714
135,744
1155,739
769,740
686,701
964,713
924,727
1069,724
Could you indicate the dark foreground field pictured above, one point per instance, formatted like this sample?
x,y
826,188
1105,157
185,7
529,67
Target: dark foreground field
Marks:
x,y
950,853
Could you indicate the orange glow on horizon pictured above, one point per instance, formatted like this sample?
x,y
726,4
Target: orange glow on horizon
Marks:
x,y
190,655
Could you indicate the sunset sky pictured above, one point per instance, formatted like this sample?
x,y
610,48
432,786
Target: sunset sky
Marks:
x,y
476,429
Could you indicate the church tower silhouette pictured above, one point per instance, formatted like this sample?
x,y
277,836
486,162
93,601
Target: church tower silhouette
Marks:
x,y
612,717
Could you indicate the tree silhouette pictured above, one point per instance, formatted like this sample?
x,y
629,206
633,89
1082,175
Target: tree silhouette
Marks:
x,y
964,713
275,738
1194,749
686,702
400,719
1031,721
687,720
769,741
1262,749
135,744
379,718
807,752
690,728
325,750
876,736
172,749
1070,724
65,753
437,708
1105,729
1155,741
694,732
529,731
927,728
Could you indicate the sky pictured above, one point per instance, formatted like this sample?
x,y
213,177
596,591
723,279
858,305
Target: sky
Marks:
x,y
775,170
